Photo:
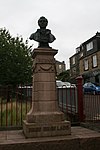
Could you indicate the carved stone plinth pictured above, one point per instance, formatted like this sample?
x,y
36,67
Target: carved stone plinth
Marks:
x,y
45,118
46,129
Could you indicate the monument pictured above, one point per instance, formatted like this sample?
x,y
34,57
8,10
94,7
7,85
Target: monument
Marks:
x,y
44,118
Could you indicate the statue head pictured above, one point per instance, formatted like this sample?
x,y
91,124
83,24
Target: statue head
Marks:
x,y
43,36
42,22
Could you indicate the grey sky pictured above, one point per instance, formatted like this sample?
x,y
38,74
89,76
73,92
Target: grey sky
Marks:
x,y
71,21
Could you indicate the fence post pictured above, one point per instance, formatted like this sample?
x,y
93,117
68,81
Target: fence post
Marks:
x,y
80,98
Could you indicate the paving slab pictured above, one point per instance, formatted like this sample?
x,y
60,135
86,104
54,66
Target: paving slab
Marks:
x,y
80,139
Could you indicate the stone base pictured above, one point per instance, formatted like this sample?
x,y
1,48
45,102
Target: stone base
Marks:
x,y
46,130
45,117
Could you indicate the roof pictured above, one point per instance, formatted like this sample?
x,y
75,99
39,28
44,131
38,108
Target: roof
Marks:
x,y
60,62
97,35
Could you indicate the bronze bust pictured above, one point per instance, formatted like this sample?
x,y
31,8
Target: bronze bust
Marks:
x,y
43,36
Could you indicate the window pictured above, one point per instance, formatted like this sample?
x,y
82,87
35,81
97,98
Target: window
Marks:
x,y
73,60
60,67
77,49
89,46
74,70
86,67
94,61
82,47
81,54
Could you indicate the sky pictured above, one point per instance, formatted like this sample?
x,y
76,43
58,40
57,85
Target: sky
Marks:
x,y
72,22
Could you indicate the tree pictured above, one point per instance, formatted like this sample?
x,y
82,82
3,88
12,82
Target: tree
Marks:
x,y
15,60
64,76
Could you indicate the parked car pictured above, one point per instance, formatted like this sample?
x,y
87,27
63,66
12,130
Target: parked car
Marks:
x,y
91,88
60,84
69,85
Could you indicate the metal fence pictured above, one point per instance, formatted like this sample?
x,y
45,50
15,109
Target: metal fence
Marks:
x,y
68,103
91,105
15,102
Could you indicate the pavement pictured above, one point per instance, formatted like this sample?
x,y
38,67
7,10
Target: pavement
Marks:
x,y
17,136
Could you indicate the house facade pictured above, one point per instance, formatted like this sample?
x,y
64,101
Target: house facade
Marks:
x,y
87,60
60,67
74,67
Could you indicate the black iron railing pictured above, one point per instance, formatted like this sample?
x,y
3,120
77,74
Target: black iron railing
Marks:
x,y
15,102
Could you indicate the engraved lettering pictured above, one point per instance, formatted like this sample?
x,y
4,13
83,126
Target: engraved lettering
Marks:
x,y
62,127
49,128
52,128
46,128
37,129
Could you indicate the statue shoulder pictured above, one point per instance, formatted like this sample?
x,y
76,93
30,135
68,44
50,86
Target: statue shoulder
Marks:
x,y
35,36
51,38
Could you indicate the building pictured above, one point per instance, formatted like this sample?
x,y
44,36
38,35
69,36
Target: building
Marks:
x,y
60,67
74,67
86,60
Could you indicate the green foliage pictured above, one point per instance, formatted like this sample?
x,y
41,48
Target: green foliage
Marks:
x,y
15,60
64,76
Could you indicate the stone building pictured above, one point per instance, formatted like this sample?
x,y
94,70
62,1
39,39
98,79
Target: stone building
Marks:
x,y
86,60
60,67
74,67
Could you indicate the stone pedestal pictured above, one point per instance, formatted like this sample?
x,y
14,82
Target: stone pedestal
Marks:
x,y
44,118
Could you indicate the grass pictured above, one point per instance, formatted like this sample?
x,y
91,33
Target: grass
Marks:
x,y
12,113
